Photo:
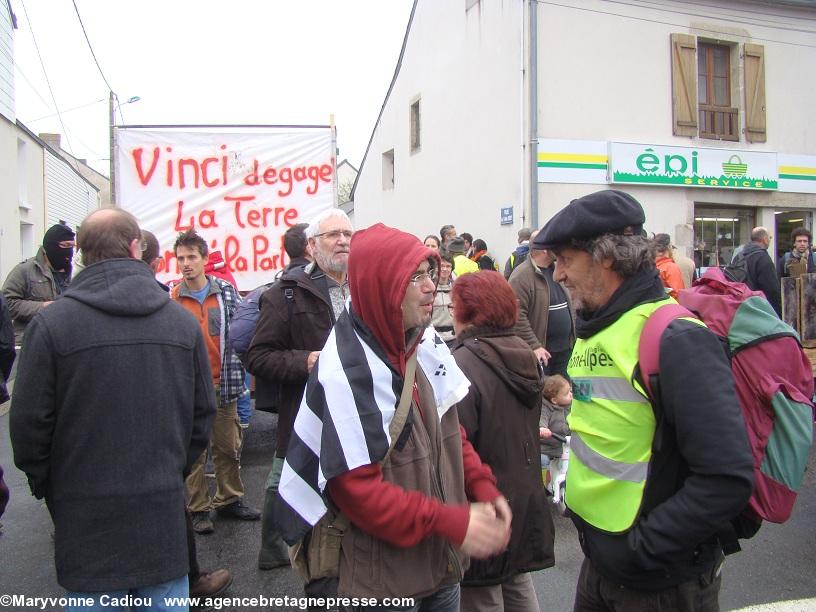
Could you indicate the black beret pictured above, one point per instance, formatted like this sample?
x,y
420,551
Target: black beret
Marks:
x,y
603,212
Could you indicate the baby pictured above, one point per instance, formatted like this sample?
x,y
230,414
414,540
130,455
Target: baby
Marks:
x,y
557,397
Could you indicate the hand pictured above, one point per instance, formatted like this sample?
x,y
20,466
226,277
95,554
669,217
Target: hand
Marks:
x,y
503,513
47,303
544,433
311,360
542,354
487,534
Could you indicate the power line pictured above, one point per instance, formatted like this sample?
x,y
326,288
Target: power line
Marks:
x,y
734,19
31,85
45,73
82,25
674,25
67,110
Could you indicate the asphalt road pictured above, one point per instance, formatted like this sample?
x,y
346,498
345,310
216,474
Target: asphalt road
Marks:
x,y
777,565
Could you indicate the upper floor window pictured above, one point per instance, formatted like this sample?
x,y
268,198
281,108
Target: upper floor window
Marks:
x,y
415,136
705,82
717,118
388,169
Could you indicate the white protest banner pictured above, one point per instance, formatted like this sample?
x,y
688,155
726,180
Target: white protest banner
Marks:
x,y
240,189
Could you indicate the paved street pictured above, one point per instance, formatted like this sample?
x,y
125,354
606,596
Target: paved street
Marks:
x,y
776,565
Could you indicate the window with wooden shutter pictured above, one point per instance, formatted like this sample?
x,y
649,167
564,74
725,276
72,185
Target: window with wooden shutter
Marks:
x,y
684,84
717,118
754,62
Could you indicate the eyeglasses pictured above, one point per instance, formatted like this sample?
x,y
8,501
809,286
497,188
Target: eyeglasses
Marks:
x,y
143,245
420,277
335,235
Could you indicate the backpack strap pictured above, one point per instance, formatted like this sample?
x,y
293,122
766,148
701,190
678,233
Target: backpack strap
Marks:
x,y
341,521
403,408
649,347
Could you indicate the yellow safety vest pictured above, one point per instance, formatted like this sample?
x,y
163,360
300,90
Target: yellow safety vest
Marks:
x,y
612,424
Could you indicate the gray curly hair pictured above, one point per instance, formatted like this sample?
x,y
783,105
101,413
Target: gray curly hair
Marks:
x,y
630,254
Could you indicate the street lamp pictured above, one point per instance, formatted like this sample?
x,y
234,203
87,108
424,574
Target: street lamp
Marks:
x,y
112,108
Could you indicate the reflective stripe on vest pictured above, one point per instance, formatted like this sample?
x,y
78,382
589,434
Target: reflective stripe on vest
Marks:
x,y
612,425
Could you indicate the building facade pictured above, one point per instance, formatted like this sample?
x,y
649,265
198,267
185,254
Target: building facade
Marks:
x,y
38,185
700,110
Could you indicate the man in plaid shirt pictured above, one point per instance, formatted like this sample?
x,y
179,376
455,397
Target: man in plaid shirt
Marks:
x,y
212,301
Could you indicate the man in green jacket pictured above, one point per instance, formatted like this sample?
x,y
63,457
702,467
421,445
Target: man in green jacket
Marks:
x,y
35,283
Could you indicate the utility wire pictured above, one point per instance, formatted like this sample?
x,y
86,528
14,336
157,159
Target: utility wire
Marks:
x,y
32,86
82,25
741,20
748,11
674,25
50,89
67,110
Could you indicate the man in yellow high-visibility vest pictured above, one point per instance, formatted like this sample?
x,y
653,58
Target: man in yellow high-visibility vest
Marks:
x,y
648,489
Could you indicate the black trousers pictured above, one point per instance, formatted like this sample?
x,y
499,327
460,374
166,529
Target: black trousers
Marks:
x,y
595,593
195,572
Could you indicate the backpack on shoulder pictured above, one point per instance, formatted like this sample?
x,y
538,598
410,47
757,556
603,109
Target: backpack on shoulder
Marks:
x,y
242,329
737,270
774,384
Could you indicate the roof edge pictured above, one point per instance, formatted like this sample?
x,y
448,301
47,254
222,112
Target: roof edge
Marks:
x,y
385,101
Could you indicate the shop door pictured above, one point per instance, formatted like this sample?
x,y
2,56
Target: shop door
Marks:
x,y
786,222
718,231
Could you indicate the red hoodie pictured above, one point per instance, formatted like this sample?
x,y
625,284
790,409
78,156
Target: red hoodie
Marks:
x,y
381,261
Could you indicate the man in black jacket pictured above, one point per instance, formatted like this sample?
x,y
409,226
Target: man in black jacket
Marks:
x,y
112,404
296,316
761,272
649,488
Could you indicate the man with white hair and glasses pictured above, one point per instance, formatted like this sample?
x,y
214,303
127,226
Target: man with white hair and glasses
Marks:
x,y
296,316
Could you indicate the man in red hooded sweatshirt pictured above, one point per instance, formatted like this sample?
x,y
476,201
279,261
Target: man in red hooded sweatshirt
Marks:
x,y
416,519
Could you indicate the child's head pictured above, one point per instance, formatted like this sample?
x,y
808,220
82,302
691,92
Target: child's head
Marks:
x,y
558,390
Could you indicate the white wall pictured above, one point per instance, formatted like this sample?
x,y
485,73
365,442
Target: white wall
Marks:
x,y
607,77
604,74
68,196
466,67
22,203
6,63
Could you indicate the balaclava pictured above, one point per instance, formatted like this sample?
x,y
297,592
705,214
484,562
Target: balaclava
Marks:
x,y
59,258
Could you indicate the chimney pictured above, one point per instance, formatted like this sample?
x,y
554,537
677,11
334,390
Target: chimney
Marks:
x,y
53,140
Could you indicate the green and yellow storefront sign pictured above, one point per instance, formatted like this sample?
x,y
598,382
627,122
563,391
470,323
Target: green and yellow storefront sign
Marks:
x,y
692,167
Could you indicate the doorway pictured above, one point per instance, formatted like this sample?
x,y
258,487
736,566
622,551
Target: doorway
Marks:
x,y
718,231
786,222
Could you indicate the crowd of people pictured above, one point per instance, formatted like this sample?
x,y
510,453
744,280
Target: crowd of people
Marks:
x,y
419,392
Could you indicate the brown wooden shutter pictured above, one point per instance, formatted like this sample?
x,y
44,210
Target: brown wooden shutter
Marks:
x,y
684,84
755,93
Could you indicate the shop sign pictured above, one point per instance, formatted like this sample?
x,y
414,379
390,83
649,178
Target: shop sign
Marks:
x,y
692,167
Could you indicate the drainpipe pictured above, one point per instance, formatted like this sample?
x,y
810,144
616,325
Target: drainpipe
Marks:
x,y
534,114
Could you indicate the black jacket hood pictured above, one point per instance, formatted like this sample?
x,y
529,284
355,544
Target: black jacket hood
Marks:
x,y
121,287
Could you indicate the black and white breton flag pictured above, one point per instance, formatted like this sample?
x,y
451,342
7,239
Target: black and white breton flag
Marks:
x,y
343,420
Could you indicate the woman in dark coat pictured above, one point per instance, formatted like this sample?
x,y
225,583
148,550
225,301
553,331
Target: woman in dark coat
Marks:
x,y
500,415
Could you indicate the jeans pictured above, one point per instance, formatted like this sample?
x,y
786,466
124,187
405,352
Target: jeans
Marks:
x,y
445,599
245,402
143,598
